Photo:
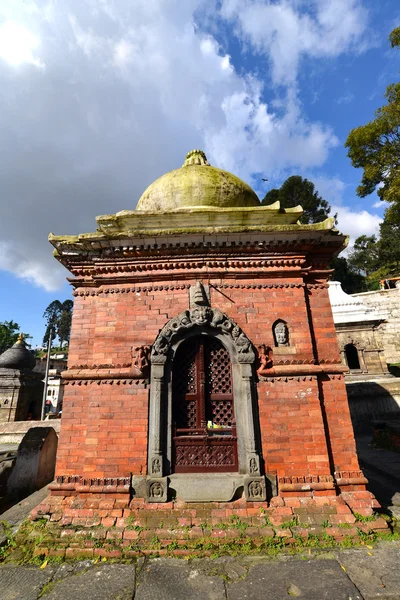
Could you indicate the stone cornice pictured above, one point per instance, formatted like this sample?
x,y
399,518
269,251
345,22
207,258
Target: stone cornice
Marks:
x,y
151,266
324,368
305,483
106,379
102,373
136,224
282,369
86,291
98,485
72,249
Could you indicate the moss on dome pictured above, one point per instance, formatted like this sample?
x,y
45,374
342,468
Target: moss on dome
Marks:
x,y
197,184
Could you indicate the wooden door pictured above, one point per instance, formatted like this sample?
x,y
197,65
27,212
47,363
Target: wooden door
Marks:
x,y
204,430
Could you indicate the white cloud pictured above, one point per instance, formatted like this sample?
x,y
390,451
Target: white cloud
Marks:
x,y
17,45
351,221
30,268
381,204
128,89
356,222
285,32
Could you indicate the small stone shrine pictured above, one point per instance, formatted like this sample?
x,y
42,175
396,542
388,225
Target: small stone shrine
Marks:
x,y
203,362
361,329
21,388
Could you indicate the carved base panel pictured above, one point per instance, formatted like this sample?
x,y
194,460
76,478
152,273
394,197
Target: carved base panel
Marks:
x,y
157,490
255,489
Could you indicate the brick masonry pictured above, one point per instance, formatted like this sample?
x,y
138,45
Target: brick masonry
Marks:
x,y
302,411
104,425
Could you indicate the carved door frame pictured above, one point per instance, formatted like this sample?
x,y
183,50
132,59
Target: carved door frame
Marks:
x,y
202,321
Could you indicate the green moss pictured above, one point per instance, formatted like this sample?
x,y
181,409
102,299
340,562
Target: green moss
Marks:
x,y
197,185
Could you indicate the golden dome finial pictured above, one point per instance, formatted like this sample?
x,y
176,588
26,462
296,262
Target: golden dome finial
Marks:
x,y
196,157
21,340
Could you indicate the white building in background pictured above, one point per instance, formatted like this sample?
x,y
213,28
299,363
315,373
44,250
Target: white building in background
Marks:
x,y
359,331
367,327
387,303
55,386
55,390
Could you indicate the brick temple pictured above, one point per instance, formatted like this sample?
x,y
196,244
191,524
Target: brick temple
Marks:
x,y
204,371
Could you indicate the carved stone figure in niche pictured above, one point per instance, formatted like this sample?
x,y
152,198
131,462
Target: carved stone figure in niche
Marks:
x,y
265,358
255,489
241,341
253,466
281,334
141,358
156,490
156,466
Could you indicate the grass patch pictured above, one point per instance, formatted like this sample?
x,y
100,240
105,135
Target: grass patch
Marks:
x,y
32,539
363,519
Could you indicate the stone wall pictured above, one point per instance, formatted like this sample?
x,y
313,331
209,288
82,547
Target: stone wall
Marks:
x,y
387,303
368,339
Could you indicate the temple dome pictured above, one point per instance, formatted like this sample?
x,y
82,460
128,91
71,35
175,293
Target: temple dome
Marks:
x,y
197,183
17,357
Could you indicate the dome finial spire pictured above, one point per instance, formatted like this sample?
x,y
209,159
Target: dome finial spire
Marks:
x,y
20,341
196,157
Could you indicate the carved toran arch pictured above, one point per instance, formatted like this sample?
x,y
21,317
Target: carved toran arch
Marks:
x,y
207,321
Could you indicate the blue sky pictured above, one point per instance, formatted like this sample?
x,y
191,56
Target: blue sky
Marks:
x,y
100,97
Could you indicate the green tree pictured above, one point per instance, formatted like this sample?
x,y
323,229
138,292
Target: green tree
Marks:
x,y
297,190
58,317
389,241
364,257
9,332
352,282
375,147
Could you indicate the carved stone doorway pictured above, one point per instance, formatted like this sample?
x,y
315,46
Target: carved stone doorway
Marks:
x,y
204,426
352,359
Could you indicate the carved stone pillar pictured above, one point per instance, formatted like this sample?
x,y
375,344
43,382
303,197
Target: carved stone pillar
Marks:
x,y
155,461
245,423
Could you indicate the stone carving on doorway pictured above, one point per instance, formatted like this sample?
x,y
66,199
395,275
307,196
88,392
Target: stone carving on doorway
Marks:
x,y
206,321
201,316
254,465
157,490
156,466
199,295
255,489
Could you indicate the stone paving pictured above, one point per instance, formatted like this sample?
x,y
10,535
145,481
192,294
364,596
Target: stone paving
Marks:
x,y
355,574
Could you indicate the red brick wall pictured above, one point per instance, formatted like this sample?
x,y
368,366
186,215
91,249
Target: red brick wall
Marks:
x,y
104,430
104,425
292,430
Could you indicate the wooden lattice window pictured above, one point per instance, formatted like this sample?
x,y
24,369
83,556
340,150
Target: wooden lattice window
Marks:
x,y
204,437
